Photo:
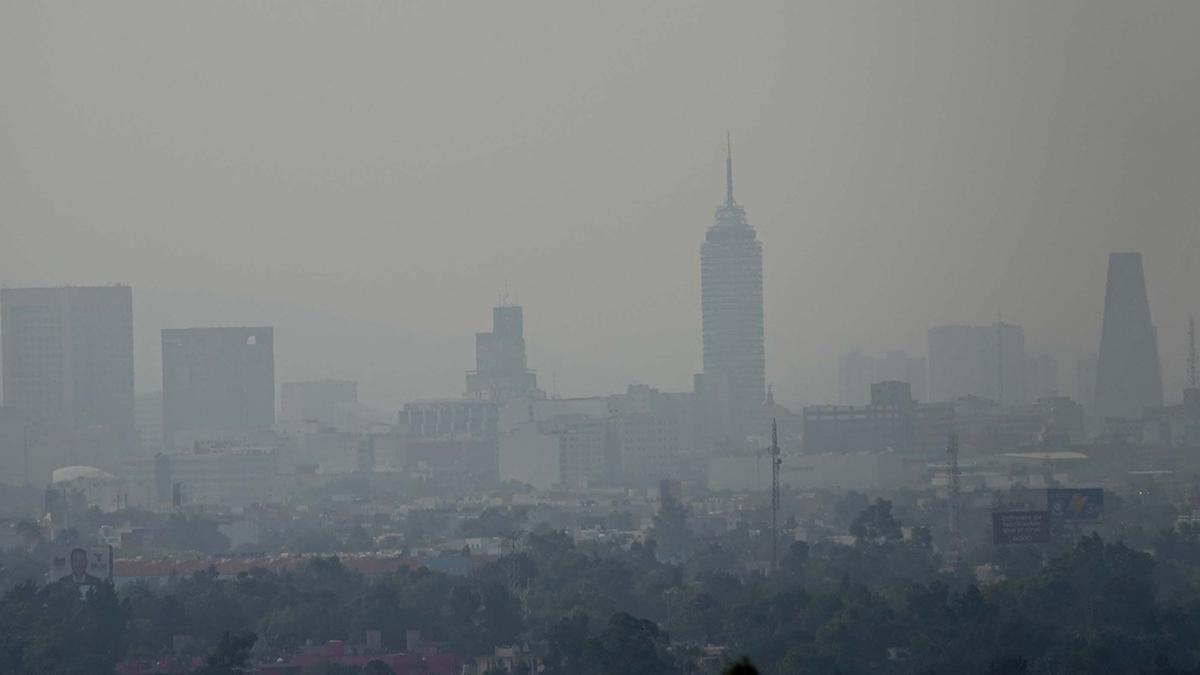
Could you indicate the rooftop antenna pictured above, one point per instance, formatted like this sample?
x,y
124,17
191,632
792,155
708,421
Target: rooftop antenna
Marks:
x,y
1193,379
728,170
1000,358
776,461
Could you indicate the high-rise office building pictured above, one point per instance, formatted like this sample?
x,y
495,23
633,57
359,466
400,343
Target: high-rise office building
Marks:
x,y
68,368
216,381
985,361
501,372
731,286
858,371
1128,374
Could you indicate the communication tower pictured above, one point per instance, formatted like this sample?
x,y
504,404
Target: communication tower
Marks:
x,y
776,463
955,495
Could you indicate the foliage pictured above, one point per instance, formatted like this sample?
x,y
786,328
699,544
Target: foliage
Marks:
x,y
875,523
882,605
231,654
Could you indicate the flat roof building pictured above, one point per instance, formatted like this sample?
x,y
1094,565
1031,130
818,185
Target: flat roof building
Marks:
x,y
217,380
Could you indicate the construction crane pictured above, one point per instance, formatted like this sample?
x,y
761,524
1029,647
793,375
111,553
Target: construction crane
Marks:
x,y
776,463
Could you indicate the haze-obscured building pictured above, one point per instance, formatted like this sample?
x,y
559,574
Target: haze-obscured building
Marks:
x,y
1128,375
148,418
989,427
731,285
501,371
453,442
985,361
213,474
654,431
837,472
892,420
558,442
217,380
858,371
67,356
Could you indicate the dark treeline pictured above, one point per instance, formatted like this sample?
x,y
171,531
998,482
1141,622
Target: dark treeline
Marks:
x,y
881,605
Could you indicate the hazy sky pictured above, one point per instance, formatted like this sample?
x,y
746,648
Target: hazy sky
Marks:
x,y
905,164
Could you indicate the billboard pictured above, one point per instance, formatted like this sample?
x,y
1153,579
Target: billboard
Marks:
x,y
81,565
1080,505
1020,527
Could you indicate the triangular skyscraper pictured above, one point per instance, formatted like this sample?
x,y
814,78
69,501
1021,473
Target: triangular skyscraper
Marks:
x,y
1128,378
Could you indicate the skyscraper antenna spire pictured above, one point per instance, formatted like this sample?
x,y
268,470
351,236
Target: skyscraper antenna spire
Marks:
x,y
728,169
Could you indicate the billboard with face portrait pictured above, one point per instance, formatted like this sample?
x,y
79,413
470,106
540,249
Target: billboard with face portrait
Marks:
x,y
81,565
1081,505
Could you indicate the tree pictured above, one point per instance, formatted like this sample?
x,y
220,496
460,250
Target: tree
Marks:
x,y
740,667
230,655
629,646
876,524
377,667
194,533
567,641
670,529
29,531
922,538
796,557
359,540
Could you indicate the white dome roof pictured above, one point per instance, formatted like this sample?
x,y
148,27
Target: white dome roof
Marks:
x,y
70,473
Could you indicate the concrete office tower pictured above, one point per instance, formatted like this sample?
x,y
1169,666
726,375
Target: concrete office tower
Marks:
x,y
501,373
68,363
216,381
986,361
148,417
858,371
1128,375
731,286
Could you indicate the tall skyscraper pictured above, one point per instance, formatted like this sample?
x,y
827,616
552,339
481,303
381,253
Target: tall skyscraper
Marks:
x,y
731,286
217,380
501,372
68,360
1128,376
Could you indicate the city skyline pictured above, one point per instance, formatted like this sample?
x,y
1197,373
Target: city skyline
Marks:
x,y
879,177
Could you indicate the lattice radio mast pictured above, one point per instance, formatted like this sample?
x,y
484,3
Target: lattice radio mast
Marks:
x,y
955,494
776,462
